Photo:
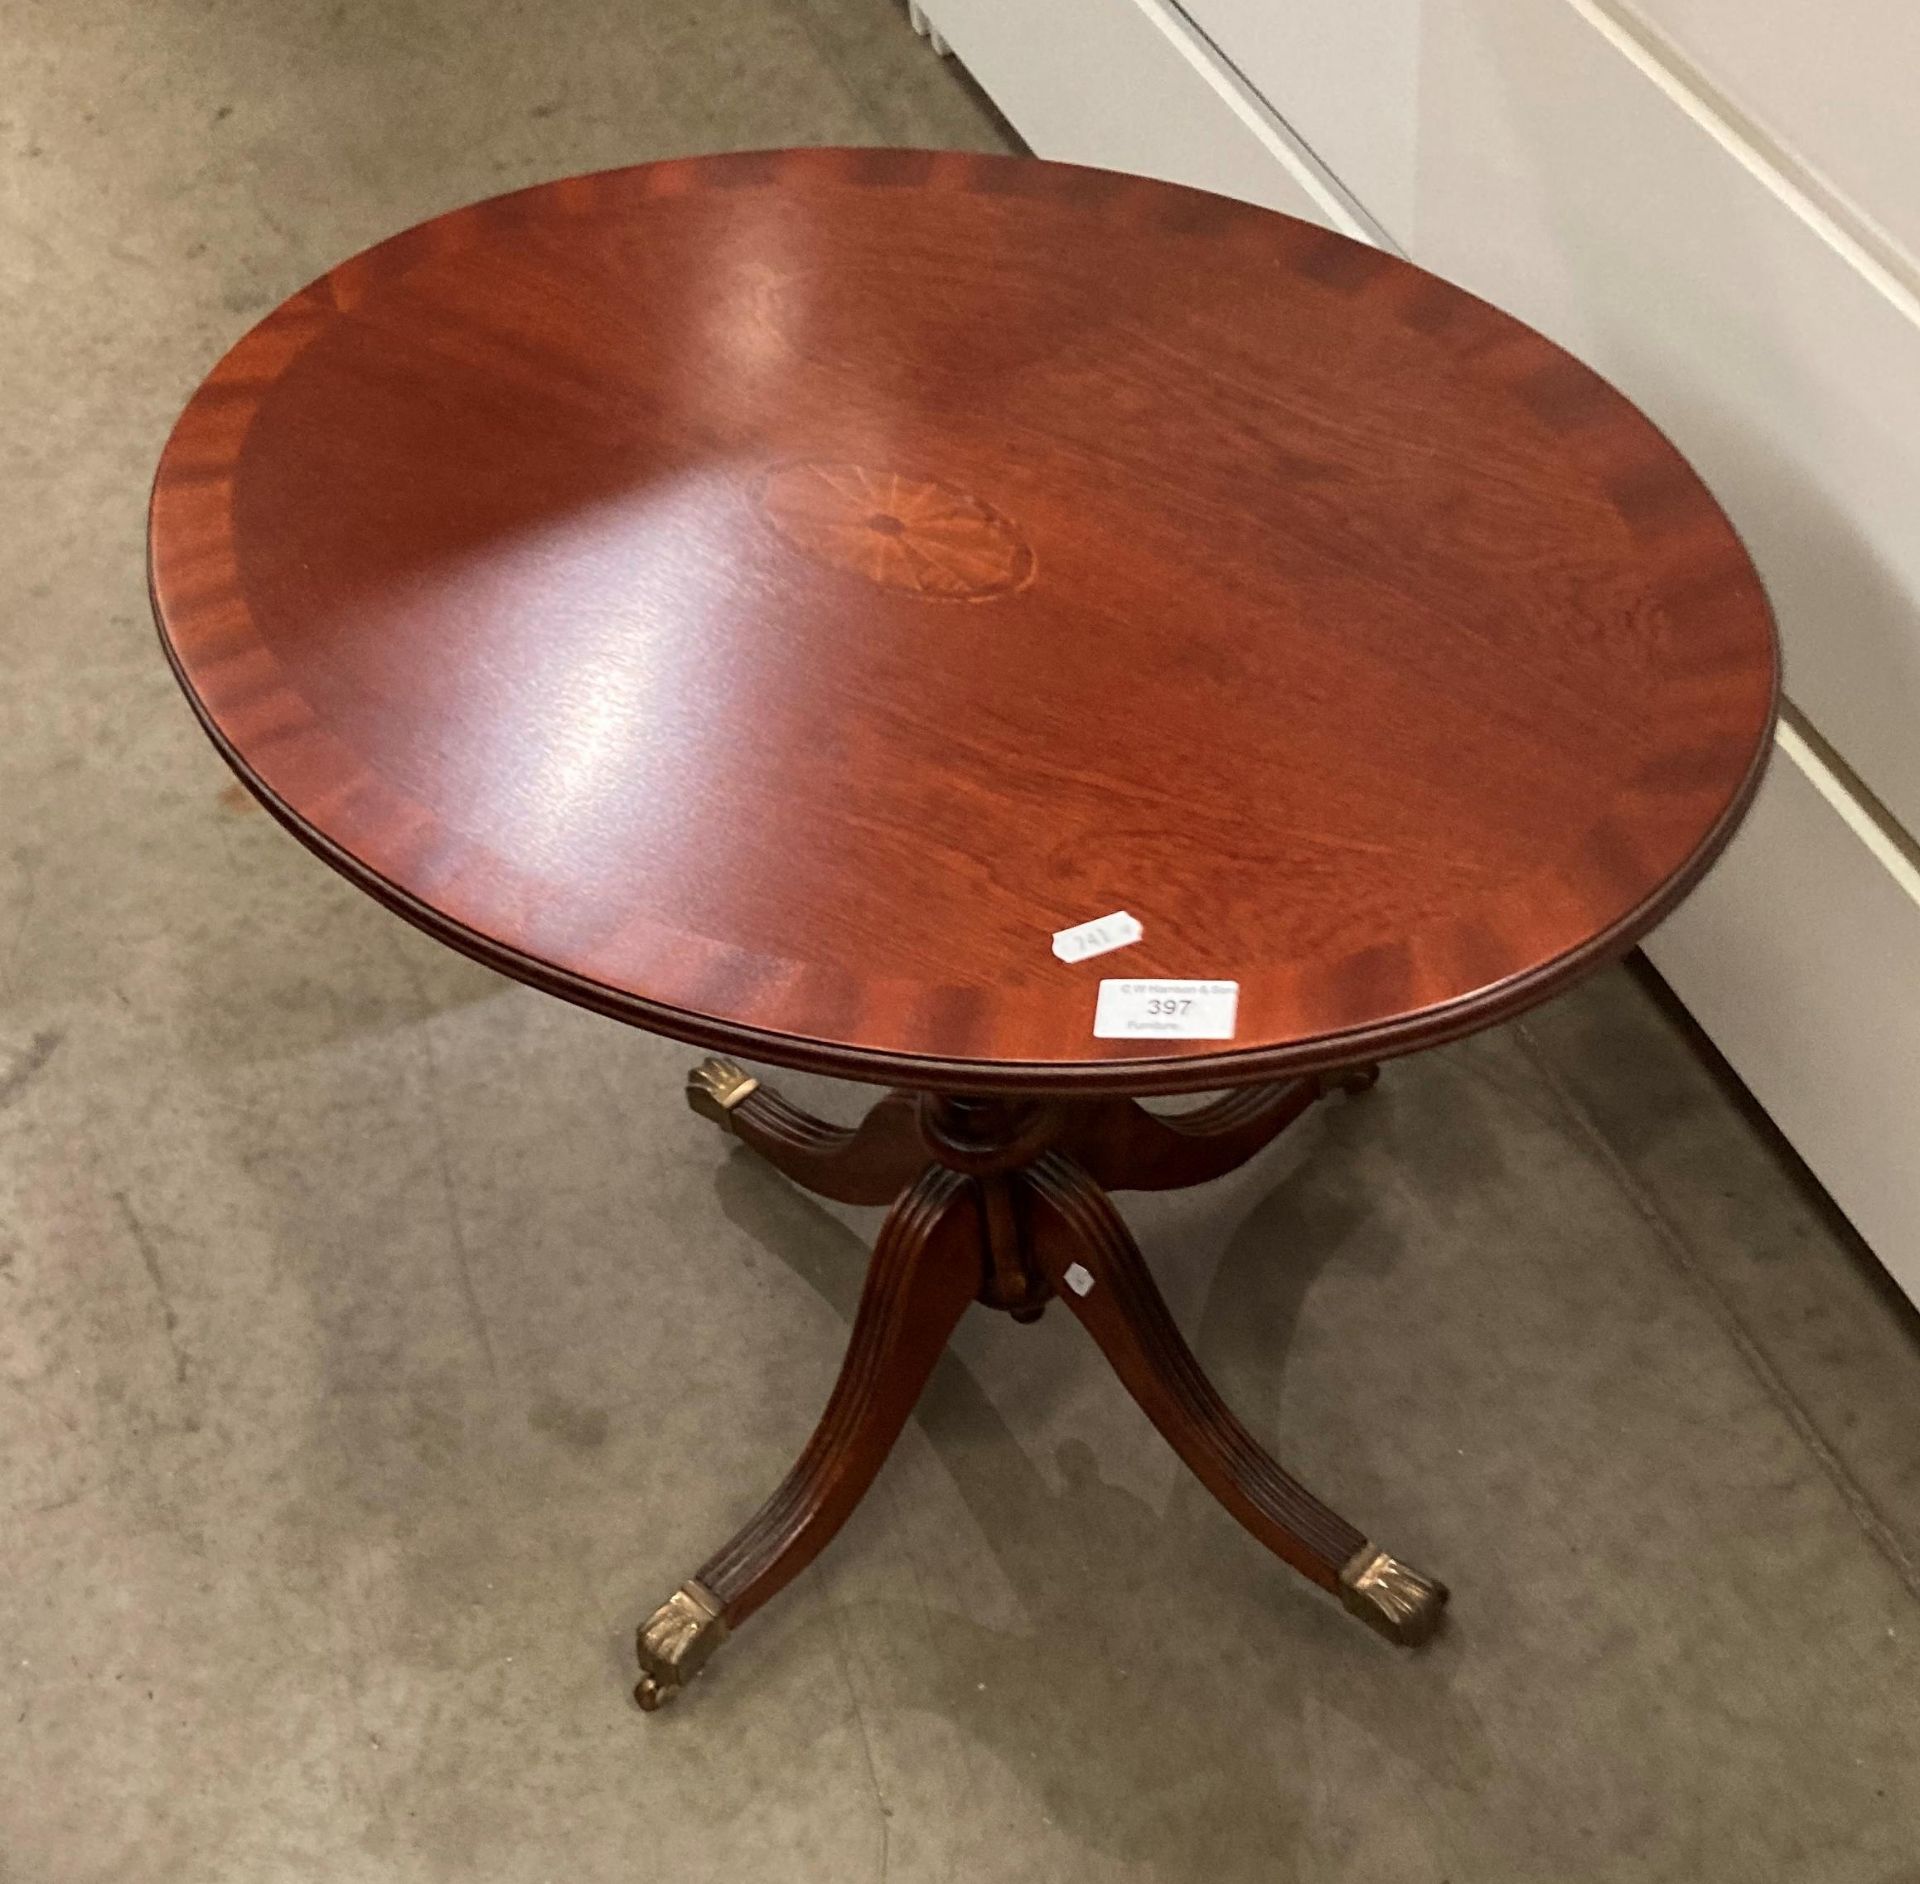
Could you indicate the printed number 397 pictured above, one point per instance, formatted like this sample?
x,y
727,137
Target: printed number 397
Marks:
x,y
1170,1004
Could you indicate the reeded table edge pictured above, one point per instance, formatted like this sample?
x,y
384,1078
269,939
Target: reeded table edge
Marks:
x,y
1147,1075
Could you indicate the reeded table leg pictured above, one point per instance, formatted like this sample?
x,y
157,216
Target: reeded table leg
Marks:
x,y
1091,1259
925,1270
1011,1211
868,1163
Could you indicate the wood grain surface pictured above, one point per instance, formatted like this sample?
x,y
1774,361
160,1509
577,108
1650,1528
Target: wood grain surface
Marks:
x,y
763,597
925,1271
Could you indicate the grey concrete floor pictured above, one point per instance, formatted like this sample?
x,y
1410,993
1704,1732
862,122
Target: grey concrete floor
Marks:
x,y
379,1341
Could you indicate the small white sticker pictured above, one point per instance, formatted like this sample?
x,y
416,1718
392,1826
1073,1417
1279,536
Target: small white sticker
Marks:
x,y
1087,939
1166,1010
1078,1278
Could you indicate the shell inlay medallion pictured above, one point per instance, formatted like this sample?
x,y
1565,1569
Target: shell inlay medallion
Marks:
x,y
915,535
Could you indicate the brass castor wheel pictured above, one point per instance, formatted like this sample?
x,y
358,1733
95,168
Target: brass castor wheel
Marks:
x,y
675,1641
715,1087
1392,1597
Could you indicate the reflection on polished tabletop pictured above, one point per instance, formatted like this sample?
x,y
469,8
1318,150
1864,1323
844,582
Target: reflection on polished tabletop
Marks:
x,y
767,597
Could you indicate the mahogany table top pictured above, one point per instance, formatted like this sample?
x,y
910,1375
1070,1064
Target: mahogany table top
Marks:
x,y
764,597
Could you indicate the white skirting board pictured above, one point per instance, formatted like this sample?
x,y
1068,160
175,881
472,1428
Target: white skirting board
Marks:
x,y
1129,85
1800,956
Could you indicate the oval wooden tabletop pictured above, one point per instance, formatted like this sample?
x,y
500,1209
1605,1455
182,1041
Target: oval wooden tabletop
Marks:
x,y
764,597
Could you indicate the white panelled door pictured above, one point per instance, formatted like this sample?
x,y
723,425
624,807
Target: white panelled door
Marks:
x,y
1714,203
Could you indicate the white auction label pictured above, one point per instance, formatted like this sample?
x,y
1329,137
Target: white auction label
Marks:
x,y
1085,939
1168,1010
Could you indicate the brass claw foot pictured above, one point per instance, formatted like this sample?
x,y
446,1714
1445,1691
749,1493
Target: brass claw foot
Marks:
x,y
675,1642
1391,1597
715,1087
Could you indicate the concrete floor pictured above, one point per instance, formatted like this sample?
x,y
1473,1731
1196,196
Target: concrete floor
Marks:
x,y
379,1341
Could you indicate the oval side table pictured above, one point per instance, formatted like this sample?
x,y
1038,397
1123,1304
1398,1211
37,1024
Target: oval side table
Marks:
x,y
767,598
